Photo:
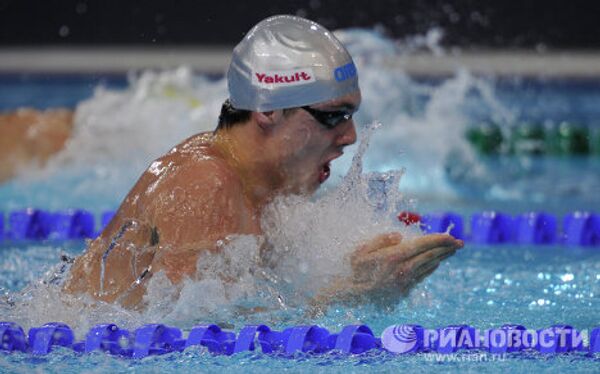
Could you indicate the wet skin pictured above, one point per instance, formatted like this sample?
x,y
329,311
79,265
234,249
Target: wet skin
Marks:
x,y
216,184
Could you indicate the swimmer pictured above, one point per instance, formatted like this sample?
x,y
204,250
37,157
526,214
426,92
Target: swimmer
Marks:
x,y
293,89
29,137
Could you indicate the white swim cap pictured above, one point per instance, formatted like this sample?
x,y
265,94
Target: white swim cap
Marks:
x,y
287,62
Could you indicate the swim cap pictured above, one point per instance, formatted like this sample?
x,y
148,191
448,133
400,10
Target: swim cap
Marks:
x,y
287,62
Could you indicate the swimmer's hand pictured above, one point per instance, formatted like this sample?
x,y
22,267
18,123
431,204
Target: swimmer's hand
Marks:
x,y
388,267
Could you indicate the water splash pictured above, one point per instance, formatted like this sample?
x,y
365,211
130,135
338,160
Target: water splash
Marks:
x,y
117,133
296,265
244,278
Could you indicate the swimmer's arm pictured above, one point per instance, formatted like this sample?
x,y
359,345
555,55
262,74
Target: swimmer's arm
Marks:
x,y
387,268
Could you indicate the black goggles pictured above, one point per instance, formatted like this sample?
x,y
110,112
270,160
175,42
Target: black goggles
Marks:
x,y
329,119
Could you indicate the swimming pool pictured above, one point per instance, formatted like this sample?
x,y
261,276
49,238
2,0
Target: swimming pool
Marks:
x,y
424,121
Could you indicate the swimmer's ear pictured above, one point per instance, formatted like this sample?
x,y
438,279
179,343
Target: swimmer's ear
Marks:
x,y
265,120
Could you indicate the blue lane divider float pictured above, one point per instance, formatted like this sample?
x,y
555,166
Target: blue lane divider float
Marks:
x,y
489,228
533,228
29,224
75,224
37,224
12,338
158,339
581,228
108,338
440,222
43,339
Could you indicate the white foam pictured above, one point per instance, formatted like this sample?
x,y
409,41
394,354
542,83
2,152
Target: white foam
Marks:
x,y
310,240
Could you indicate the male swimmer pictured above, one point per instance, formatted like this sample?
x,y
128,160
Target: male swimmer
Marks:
x,y
29,137
293,89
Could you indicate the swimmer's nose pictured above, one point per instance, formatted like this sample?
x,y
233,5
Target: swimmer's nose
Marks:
x,y
347,135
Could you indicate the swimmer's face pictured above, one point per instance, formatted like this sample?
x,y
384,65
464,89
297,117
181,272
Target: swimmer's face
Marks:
x,y
305,147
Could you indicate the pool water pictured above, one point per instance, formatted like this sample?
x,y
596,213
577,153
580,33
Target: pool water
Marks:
x,y
424,121
482,286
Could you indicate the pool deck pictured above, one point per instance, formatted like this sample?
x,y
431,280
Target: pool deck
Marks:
x,y
214,60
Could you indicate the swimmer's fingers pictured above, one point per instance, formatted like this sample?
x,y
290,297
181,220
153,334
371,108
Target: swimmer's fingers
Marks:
x,y
381,241
427,271
369,251
394,255
417,266
397,263
429,242
428,259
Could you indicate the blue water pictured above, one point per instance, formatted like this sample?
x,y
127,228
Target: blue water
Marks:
x,y
43,91
481,286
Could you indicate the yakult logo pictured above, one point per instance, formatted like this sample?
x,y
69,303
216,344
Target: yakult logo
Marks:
x,y
283,78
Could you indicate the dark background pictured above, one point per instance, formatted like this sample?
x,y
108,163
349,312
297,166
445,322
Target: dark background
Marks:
x,y
466,23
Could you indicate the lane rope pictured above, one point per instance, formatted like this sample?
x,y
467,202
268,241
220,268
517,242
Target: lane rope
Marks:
x,y
485,228
158,339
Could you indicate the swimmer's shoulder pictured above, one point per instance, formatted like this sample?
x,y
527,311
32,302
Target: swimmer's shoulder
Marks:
x,y
201,143
196,161
199,188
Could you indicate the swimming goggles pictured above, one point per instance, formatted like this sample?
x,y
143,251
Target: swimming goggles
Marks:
x,y
329,119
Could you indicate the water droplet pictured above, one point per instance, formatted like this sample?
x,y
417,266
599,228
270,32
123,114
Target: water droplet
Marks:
x,y
567,277
64,31
81,8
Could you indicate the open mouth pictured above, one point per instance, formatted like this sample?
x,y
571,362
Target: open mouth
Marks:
x,y
324,172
